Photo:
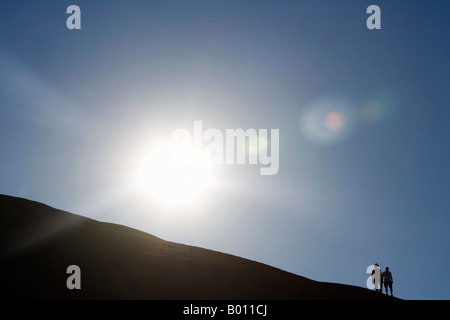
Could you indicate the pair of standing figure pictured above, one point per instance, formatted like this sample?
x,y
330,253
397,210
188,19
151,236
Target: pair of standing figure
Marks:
x,y
379,278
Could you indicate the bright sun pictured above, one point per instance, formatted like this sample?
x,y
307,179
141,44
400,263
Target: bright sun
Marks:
x,y
173,180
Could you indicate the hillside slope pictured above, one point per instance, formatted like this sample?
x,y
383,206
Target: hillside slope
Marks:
x,y
38,243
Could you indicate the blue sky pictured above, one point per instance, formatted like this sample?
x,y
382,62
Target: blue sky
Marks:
x,y
78,105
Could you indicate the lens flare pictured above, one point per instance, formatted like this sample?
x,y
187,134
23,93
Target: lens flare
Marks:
x,y
371,111
334,121
256,144
381,106
327,121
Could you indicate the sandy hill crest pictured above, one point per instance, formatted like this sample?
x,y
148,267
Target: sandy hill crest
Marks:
x,y
38,243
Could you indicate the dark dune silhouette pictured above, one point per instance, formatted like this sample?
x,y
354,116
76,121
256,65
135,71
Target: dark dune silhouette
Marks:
x,y
38,243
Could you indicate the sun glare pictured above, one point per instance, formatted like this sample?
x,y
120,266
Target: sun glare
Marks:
x,y
172,178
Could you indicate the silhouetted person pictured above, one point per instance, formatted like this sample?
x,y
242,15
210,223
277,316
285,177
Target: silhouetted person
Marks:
x,y
373,276
388,281
376,276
